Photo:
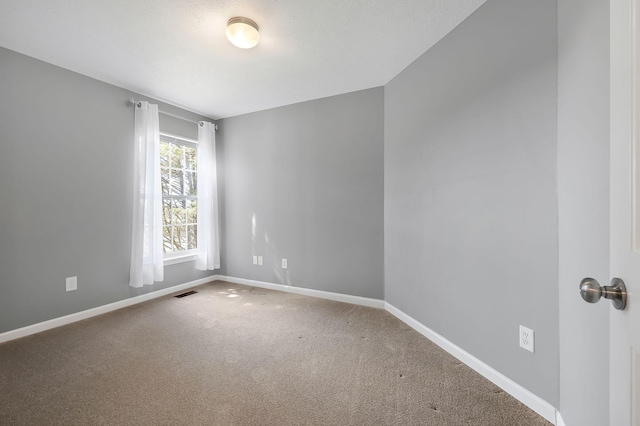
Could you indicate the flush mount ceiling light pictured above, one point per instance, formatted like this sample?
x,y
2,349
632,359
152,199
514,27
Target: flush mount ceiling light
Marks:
x,y
242,32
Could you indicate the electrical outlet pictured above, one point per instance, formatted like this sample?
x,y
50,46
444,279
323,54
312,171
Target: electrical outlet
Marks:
x,y
255,260
72,283
284,263
527,339
260,261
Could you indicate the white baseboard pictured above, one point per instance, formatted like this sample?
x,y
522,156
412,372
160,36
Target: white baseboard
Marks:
x,y
528,398
68,319
355,300
537,404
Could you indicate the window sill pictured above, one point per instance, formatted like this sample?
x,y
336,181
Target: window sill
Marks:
x,y
180,259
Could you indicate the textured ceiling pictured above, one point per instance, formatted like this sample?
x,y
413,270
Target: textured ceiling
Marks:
x,y
176,50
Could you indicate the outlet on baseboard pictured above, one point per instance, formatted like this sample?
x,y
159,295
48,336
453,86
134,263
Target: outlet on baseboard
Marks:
x,y
260,261
255,260
284,263
71,283
527,339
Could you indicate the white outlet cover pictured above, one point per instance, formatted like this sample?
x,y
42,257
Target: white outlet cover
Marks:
x,y
527,339
255,260
260,261
71,283
284,263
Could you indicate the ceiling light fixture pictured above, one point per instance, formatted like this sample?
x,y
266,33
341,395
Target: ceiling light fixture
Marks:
x,y
242,32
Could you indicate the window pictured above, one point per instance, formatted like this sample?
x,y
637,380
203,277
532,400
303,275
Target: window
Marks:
x,y
178,170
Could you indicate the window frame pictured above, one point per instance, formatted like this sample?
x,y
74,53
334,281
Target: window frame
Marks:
x,y
184,255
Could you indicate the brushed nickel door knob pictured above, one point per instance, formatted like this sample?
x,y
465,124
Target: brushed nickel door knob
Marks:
x,y
591,292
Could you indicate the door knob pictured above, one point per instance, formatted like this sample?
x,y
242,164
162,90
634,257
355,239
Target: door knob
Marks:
x,y
591,291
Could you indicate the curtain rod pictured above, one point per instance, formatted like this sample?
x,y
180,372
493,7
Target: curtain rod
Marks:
x,y
132,101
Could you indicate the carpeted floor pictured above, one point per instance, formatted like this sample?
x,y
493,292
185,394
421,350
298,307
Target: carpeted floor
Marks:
x,y
232,355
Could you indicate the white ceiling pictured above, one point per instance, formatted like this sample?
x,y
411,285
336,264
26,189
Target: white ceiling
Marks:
x,y
176,50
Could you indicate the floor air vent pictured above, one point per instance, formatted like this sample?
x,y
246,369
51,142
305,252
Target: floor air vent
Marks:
x,y
189,293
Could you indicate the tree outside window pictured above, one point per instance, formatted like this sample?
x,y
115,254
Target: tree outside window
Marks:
x,y
178,167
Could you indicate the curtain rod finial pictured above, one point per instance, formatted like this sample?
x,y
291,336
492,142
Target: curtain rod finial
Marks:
x,y
131,101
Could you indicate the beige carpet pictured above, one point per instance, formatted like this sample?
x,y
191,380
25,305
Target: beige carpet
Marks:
x,y
231,355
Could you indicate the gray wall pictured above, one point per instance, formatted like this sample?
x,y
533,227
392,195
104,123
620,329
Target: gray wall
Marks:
x,y
470,193
311,177
66,165
583,190
471,228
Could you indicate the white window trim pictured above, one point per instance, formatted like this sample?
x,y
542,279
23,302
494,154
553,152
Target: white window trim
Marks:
x,y
180,139
180,257
186,255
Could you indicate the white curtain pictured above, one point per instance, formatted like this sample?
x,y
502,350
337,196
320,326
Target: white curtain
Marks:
x,y
208,228
146,239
